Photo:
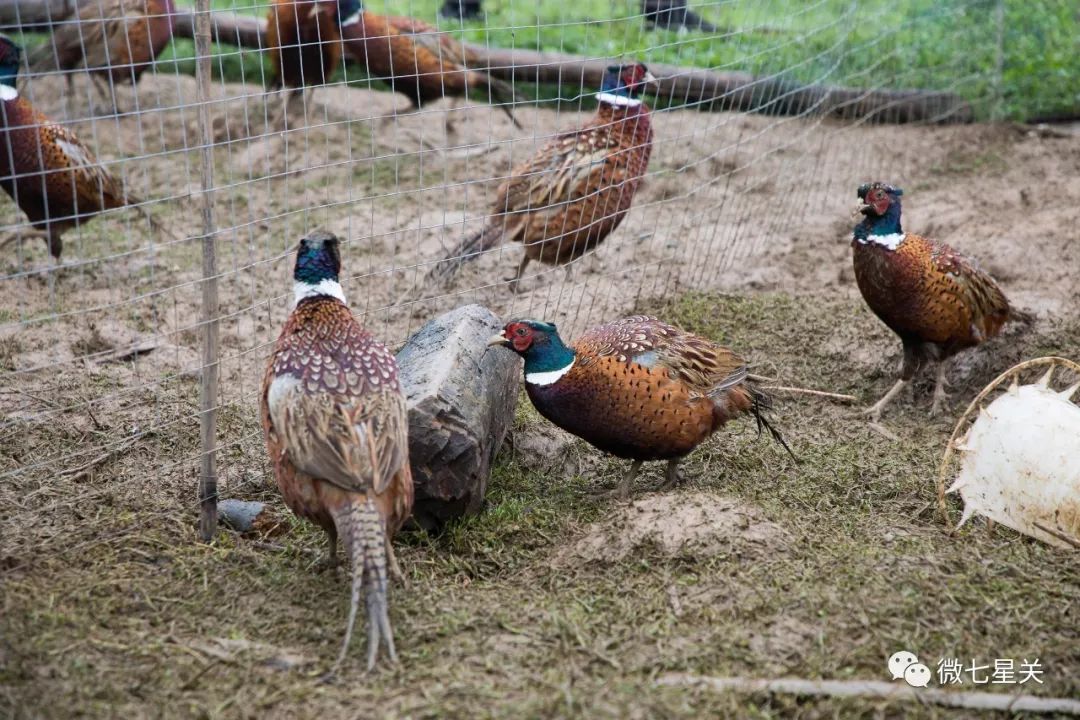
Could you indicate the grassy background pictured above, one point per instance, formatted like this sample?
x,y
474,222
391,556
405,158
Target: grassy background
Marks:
x,y
934,44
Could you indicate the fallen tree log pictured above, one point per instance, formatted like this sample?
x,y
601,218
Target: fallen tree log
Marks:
x,y
37,15
679,86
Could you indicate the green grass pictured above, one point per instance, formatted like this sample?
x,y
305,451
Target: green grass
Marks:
x,y
111,607
950,45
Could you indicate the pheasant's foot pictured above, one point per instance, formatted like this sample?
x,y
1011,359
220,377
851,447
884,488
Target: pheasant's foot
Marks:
x,y
940,396
622,490
673,477
874,411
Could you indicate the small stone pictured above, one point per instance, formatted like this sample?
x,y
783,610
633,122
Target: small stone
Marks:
x,y
240,515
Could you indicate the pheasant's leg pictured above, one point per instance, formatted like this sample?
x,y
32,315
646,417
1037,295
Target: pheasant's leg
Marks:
x,y
392,564
673,477
69,101
330,562
874,411
940,396
448,119
104,90
569,273
913,359
623,491
520,271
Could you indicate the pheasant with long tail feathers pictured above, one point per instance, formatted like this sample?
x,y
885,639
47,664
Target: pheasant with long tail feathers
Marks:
x,y
576,190
337,433
421,62
637,388
115,40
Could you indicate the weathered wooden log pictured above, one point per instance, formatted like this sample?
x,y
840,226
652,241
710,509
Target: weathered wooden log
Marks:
x,y
37,15
241,30
461,400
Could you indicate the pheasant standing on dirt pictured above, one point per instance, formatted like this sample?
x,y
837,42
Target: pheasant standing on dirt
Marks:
x,y
337,432
938,301
50,175
115,40
577,189
304,39
637,388
420,62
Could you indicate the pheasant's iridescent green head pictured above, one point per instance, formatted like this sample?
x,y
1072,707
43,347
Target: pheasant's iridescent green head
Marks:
x,y
880,205
10,56
348,12
877,198
318,264
627,81
538,343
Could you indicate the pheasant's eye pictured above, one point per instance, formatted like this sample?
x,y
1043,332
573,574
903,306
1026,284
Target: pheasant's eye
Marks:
x,y
521,332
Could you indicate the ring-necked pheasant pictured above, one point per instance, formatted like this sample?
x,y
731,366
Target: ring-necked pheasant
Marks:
x,y
337,433
304,40
938,301
53,177
420,62
115,40
577,189
637,388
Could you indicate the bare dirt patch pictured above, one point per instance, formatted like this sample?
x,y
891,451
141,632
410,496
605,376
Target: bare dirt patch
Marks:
x,y
693,524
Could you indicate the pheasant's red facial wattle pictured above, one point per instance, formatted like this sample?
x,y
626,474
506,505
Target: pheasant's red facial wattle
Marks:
x,y
520,336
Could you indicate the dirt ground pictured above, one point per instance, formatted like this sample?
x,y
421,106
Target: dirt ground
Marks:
x,y
553,602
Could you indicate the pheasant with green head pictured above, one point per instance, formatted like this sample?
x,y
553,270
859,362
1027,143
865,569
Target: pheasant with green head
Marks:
x,y
46,170
936,300
337,433
576,190
637,388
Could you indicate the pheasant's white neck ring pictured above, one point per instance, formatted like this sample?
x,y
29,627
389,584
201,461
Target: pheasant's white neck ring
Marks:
x,y
617,100
352,19
889,242
547,378
8,93
329,287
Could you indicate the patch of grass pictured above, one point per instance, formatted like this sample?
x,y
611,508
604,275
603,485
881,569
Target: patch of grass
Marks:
x,y
110,605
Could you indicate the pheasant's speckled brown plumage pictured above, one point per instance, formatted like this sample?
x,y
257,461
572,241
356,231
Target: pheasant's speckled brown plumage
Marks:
x,y
645,390
304,41
51,175
119,39
336,430
342,429
571,194
419,61
930,295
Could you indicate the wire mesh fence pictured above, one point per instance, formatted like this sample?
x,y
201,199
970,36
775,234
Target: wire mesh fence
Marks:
x,y
104,342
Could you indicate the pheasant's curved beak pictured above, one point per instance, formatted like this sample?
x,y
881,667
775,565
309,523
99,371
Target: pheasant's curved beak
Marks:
x,y
498,340
651,82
